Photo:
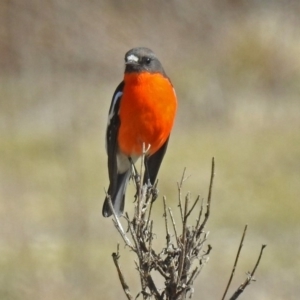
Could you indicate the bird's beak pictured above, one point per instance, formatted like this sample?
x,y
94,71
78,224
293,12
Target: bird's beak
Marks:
x,y
130,63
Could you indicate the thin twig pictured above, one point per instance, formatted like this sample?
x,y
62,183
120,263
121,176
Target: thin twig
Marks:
x,y
258,260
125,287
174,226
160,270
212,175
179,186
142,202
149,213
249,277
118,224
153,287
168,237
150,244
136,178
140,196
235,262
193,206
197,231
134,237
173,272
183,240
142,279
190,280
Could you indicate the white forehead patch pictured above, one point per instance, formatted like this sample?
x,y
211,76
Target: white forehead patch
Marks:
x,y
132,57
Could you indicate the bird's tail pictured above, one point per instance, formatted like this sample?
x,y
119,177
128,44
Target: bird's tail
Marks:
x,y
117,194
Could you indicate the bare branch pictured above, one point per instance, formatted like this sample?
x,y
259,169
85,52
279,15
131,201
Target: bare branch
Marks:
x,y
118,224
125,286
235,262
174,226
183,239
179,186
168,237
212,175
134,237
258,260
183,256
193,206
250,277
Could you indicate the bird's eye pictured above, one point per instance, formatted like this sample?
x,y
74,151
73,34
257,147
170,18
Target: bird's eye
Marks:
x,y
147,60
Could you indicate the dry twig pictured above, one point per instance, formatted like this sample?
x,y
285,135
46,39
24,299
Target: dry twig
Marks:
x,y
250,277
235,262
125,286
183,257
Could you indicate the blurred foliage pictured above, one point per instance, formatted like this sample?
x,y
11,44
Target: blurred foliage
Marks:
x,y
235,66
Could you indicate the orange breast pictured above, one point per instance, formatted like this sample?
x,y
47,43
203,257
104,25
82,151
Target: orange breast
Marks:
x,y
147,111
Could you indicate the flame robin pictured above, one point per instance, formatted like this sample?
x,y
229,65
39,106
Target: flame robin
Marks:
x,y
142,111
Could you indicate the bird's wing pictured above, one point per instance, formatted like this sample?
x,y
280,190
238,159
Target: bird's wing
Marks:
x,y
118,181
112,130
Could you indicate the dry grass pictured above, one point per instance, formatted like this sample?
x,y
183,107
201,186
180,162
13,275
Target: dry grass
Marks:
x,y
52,234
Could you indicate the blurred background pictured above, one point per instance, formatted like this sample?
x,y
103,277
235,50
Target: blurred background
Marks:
x,y
235,66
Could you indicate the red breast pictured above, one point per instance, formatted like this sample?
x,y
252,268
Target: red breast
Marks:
x,y
147,111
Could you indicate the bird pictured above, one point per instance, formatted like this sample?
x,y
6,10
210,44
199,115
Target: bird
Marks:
x,y
142,112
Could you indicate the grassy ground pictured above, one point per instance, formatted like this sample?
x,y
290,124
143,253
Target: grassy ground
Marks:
x,y
53,245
